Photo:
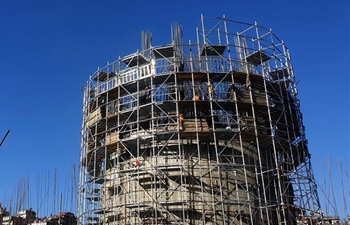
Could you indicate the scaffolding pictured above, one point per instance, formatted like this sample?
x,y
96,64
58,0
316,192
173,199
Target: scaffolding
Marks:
x,y
209,132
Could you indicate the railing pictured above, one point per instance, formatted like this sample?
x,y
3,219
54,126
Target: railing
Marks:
x,y
162,66
128,101
126,76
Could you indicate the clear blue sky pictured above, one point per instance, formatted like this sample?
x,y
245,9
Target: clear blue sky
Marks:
x,y
49,48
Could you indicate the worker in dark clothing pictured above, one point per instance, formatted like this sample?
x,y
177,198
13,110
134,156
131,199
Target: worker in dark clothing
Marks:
x,y
143,97
231,92
147,95
181,89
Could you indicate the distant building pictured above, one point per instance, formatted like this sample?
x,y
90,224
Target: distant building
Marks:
x,y
27,217
3,213
309,220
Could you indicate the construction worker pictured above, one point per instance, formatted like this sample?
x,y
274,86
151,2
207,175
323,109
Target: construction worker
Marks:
x,y
231,92
196,98
210,89
181,121
181,89
137,162
148,94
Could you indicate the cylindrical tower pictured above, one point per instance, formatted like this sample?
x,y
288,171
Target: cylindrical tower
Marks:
x,y
200,133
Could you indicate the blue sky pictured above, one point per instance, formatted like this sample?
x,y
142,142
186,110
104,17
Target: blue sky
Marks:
x,y
49,48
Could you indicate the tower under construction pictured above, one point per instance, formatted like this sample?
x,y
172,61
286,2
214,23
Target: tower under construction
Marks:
x,y
198,132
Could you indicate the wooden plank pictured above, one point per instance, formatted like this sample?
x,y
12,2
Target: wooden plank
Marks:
x,y
112,138
191,125
93,117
